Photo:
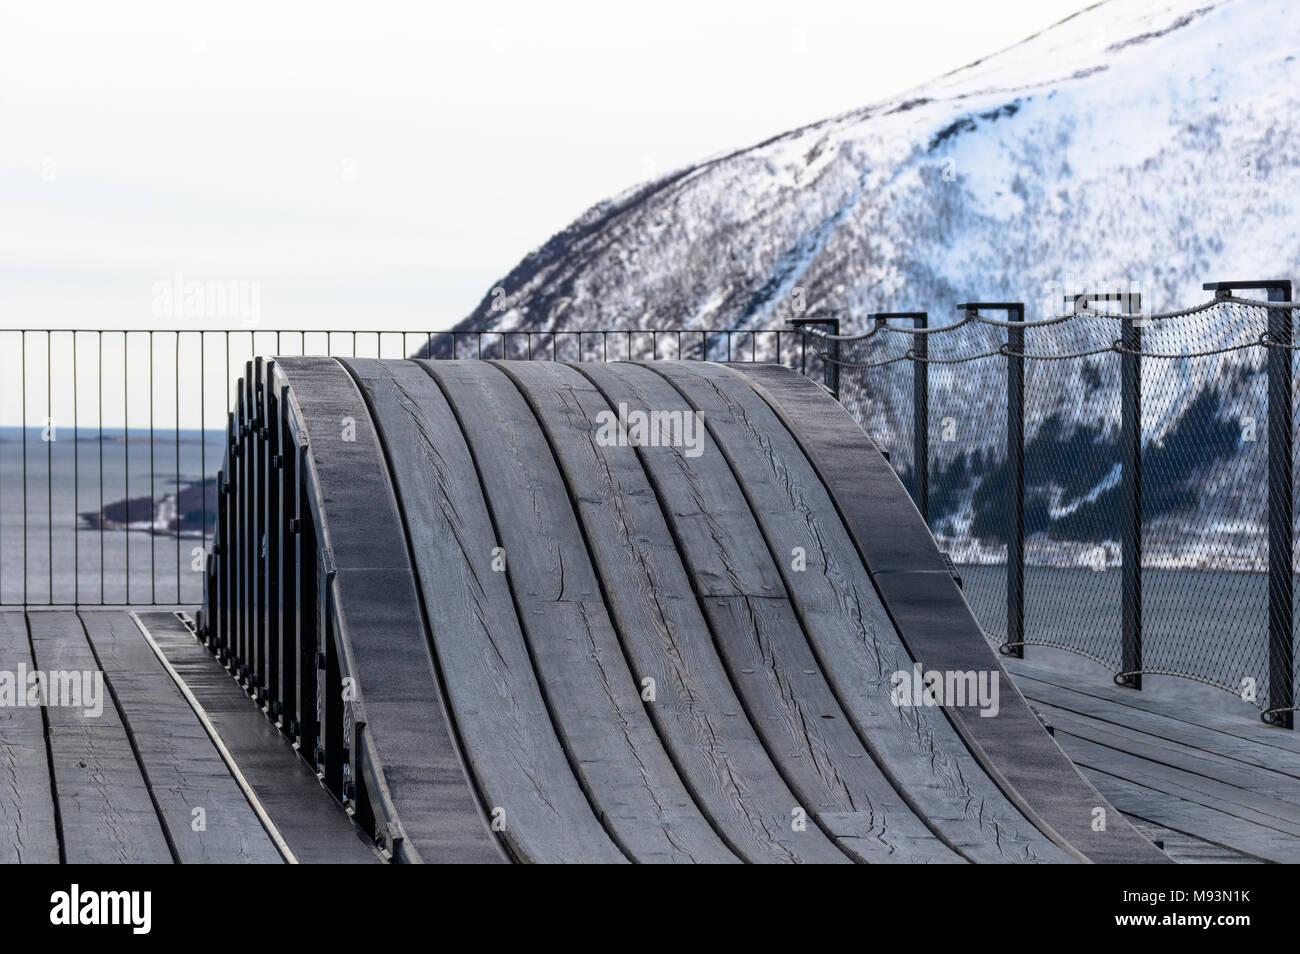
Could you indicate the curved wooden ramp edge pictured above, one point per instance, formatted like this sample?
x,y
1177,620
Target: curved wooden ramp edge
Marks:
x,y
500,630
936,624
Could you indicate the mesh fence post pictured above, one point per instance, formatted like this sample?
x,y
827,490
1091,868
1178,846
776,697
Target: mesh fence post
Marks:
x,y
1281,660
920,352
1015,489
1131,501
1280,509
1130,436
921,418
831,363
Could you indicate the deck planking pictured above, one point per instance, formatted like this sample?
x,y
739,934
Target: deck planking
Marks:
x,y
761,640
590,690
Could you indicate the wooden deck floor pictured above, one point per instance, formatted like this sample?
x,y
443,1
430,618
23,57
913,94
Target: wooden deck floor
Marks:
x,y
1191,765
177,765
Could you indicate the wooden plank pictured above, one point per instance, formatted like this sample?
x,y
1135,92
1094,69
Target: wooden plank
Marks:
x,y
664,633
511,745
315,827
760,638
597,706
1193,788
1245,727
405,750
1187,850
1270,792
1210,743
1198,821
27,825
204,810
851,634
932,619
106,810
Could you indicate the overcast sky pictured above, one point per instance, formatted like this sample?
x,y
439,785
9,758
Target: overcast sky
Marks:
x,y
376,163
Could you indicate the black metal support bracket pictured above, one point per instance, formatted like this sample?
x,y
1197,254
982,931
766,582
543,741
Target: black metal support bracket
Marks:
x,y
1014,644
920,405
1130,402
832,367
1281,503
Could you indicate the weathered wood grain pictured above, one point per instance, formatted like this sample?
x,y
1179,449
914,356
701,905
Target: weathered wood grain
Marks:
x,y
664,633
597,706
27,829
314,826
933,621
511,745
105,807
1198,821
852,635
761,640
419,782
205,812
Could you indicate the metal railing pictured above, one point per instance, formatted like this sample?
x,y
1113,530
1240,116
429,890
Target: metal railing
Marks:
x,y
110,440
1120,485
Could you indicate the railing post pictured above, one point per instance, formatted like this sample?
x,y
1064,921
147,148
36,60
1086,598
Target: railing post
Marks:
x,y
831,368
1130,439
1015,347
920,406
921,416
1281,611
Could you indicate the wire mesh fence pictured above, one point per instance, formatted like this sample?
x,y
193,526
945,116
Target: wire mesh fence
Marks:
x,y
1159,527
110,440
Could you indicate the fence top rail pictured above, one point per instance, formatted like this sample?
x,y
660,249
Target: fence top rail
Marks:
x,y
405,331
971,314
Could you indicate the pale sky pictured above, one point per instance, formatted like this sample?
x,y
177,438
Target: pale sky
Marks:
x,y
383,164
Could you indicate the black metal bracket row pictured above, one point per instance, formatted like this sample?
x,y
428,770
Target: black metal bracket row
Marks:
x,y
272,620
1281,662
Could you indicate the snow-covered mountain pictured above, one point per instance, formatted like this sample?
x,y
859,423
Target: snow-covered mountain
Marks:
x,y
1149,143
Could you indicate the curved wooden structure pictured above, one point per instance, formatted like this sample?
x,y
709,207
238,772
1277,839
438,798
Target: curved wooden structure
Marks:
x,y
500,630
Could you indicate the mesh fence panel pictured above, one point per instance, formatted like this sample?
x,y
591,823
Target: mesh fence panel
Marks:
x,y
967,444
880,397
1204,498
1073,488
1204,490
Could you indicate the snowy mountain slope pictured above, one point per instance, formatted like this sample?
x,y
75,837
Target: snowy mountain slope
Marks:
x,y
1142,143
1130,142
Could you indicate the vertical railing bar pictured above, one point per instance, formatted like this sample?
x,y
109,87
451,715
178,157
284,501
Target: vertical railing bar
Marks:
x,y
203,434
1130,674
176,379
23,376
921,417
1281,511
1280,500
50,434
153,494
76,484
1015,488
99,408
126,453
